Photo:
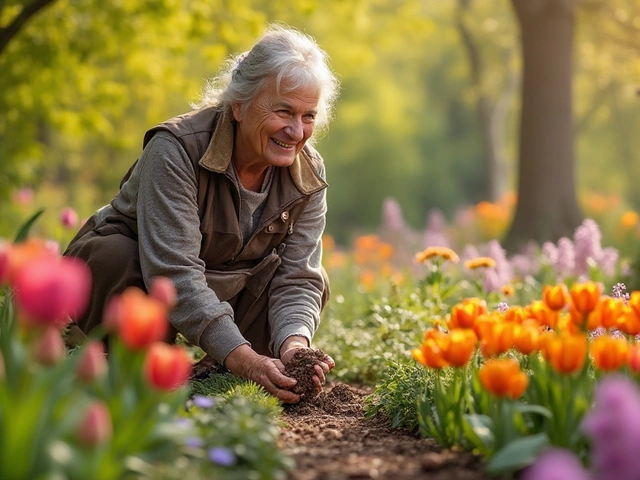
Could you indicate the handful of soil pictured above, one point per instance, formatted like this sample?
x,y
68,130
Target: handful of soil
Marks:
x,y
301,367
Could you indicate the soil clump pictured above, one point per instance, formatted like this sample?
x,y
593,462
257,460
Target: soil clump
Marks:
x,y
330,438
301,367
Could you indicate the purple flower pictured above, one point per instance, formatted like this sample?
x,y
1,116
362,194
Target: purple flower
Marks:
x,y
550,253
608,260
492,281
193,442
503,267
524,265
619,291
434,232
566,260
556,464
203,401
392,218
222,456
184,422
587,241
503,307
613,425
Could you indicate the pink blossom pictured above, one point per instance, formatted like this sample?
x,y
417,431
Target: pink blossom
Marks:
x,y
95,427
587,241
24,196
392,218
69,217
5,248
93,364
52,291
566,261
556,464
435,230
49,349
163,289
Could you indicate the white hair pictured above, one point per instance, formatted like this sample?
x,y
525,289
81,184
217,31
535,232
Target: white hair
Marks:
x,y
283,54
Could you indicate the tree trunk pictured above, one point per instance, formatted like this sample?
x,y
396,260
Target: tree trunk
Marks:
x,y
547,206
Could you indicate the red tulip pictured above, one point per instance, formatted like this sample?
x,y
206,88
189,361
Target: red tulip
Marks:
x,y
140,319
52,291
162,289
95,428
49,348
167,367
93,364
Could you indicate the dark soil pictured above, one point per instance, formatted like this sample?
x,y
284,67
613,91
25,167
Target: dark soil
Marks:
x,y
330,439
301,367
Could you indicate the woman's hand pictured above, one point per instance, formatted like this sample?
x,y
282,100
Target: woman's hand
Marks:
x,y
289,348
268,372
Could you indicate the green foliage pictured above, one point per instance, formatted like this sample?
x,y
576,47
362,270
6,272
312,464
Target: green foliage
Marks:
x,y
396,394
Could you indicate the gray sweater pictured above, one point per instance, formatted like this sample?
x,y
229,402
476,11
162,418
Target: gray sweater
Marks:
x,y
161,195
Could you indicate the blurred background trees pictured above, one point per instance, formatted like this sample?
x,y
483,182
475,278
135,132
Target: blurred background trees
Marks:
x,y
429,113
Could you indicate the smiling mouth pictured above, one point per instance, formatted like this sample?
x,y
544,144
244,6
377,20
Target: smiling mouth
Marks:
x,y
282,144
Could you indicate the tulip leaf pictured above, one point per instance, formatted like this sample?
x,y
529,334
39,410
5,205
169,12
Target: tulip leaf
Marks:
x,y
517,454
537,409
23,233
479,430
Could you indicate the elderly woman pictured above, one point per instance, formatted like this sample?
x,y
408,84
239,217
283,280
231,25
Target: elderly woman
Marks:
x,y
228,201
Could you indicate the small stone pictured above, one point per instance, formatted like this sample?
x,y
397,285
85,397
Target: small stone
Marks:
x,y
432,462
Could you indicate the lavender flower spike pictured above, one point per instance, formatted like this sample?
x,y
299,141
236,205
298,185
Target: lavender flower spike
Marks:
x,y
556,464
222,456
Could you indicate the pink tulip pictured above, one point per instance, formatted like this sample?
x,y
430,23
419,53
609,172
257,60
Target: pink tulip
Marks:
x,y
24,196
140,319
167,367
52,291
49,349
69,217
95,428
163,289
93,364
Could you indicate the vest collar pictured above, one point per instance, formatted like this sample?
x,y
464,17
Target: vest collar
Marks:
x,y
217,157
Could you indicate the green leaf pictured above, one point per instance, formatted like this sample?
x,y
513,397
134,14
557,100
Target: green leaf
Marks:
x,y
517,454
23,233
479,430
538,409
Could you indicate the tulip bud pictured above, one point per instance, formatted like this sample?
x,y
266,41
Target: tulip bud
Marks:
x,y
69,217
162,289
112,314
167,367
52,291
143,320
95,427
93,364
49,349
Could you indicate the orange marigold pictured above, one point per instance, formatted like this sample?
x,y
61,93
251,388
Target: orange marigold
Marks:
x,y
480,262
438,252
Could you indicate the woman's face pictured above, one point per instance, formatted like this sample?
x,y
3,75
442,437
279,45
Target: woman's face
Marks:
x,y
275,126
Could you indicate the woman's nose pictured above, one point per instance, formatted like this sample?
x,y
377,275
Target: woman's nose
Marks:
x,y
294,129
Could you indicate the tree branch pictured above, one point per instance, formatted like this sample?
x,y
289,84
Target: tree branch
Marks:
x,y
7,33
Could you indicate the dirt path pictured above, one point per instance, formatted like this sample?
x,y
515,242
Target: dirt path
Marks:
x,y
331,439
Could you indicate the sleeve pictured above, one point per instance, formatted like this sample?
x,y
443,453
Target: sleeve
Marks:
x,y
296,290
169,241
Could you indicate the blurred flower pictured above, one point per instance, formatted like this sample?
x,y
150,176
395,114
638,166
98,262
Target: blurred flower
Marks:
x,y
140,319
430,353
202,401
167,367
193,442
606,314
556,464
587,241
609,353
565,264
222,456
434,232
49,348
526,337
21,254
162,289
52,247
608,261
480,262
23,196
392,218
52,291
69,217
613,426
566,352
629,219
491,281
458,346
634,358
556,297
503,378
95,427
5,248
328,243
542,314
437,252
618,291
464,314
497,338
93,364
503,307
585,296
508,290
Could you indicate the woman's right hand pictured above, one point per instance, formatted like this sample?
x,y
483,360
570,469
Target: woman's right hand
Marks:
x,y
268,372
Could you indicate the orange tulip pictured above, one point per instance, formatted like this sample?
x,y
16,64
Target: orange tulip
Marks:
x,y
567,353
634,302
503,378
556,297
585,296
430,353
464,315
526,337
484,324
609,353
606,313
543,314
568,323
516,314
459,347
167,367
634,358
498,339
142,320
629,321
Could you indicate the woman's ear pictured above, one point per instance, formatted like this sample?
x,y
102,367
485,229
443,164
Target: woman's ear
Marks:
x,y
237,110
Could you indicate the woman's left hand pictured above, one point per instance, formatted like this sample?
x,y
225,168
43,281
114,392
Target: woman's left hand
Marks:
x,y
289,348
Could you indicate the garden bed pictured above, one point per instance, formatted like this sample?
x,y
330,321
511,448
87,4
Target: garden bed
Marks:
x,y
330,437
